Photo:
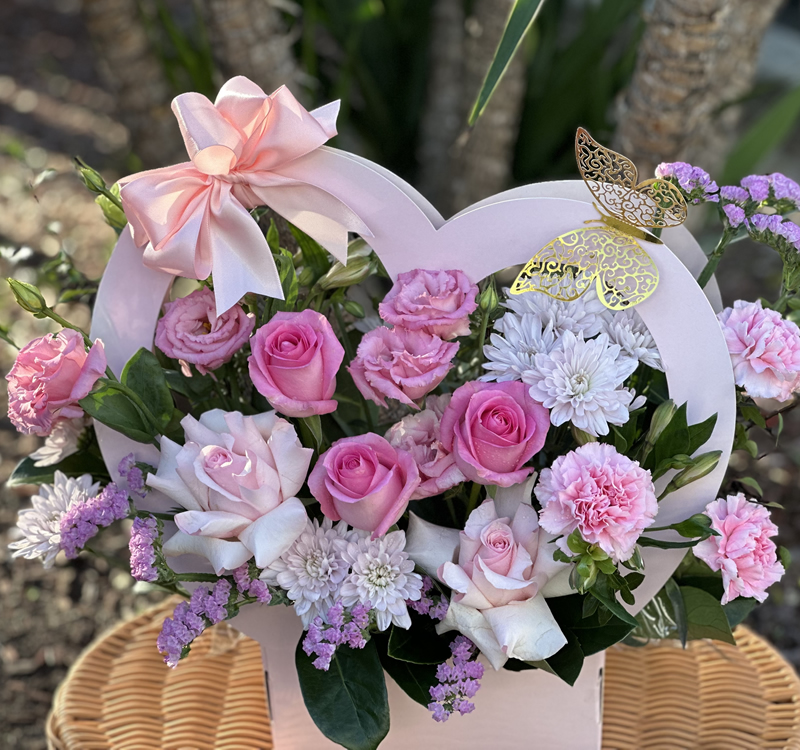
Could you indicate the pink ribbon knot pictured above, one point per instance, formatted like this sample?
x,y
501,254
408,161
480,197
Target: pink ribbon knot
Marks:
x,y
247,149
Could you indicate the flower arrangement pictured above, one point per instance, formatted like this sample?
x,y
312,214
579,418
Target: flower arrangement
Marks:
x,y
436,476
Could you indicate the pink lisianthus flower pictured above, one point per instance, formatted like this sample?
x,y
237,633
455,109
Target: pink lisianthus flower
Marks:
x,y
192,332
419,434
364,481
294,361
608,497
400,364
437,302
50,375
743,551
493,430
764,349
237,478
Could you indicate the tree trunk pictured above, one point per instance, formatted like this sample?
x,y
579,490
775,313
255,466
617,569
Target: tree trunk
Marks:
x,y
459,171
249,38
695,57
137,79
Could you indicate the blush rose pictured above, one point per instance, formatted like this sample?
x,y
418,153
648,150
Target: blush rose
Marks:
x,y
493,429
294,361
237,477
419,434
192,332
50,375
437,302
364,481
400,364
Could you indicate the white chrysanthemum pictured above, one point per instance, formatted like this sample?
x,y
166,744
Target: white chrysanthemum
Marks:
x,y
60,443
582,315
382,575
313,568
40,525
580,383
511,354
627,329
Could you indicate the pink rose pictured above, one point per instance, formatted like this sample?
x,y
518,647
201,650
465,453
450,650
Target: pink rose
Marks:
x,y
51,374
419,435
437,302
493,429
294,363
608,497
364,481
764,348
238,478
192,332
743,551
400,364
503,570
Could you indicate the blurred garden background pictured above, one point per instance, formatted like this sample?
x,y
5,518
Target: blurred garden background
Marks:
x,y
713,82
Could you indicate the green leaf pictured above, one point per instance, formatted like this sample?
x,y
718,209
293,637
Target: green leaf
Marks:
x,y
705,616
700,433
117,411
348,703
673,441
415,680
694,526
752,484
763,137
567,662
314,255
646,541
523,14
311,434
679,614
753,413
608,599
289,282
273,237
420,644
737,610
144,375
73,466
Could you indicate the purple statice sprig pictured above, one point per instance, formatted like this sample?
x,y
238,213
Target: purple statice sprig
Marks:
x,y
431,602
344,627
132,473
145,548
248,583
695,183
84,519
206,607
773,230
459,681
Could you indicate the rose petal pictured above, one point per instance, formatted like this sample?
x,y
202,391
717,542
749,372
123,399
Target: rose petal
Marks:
x,y
271,535
472,623
526,630
428,545
221,553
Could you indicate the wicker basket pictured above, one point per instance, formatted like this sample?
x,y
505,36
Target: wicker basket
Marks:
x,y
120,696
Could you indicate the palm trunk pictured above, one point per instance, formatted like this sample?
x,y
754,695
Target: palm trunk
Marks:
x,y
249,38
696,56
136,77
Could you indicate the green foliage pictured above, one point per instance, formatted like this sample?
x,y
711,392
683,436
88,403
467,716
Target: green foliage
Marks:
x,y
144,376
763,137
420,644
112,407
83,462
522,17
415,680
348,703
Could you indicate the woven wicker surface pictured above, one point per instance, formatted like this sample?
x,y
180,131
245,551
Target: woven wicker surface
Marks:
x,y
120,696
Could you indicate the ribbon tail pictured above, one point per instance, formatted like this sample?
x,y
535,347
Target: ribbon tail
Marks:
x,y
241,259
318,213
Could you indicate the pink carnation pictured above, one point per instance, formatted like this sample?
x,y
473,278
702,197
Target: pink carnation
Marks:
x,y
51,374
192,332
400,364
743,551
419,435
437,302
608,497
764,348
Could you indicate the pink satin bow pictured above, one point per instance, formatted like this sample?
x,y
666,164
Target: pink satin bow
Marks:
x,y
192,218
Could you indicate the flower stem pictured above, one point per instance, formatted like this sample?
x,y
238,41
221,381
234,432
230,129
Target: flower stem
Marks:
x,y
715,257
473,498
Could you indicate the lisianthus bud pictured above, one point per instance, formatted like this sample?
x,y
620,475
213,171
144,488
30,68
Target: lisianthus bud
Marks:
x,y
581,437
306,276
662,416
28,296
488,300
701,465
112,213
354,308
359,266
91,177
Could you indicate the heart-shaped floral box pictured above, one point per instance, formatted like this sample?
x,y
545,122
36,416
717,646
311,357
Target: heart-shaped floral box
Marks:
x,y
499,232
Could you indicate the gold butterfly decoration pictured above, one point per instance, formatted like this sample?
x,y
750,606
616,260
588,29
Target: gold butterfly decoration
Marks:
x,y
608,253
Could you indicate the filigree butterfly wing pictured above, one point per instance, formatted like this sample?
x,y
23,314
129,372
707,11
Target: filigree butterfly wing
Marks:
x,y
563,268
612,179
626,274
